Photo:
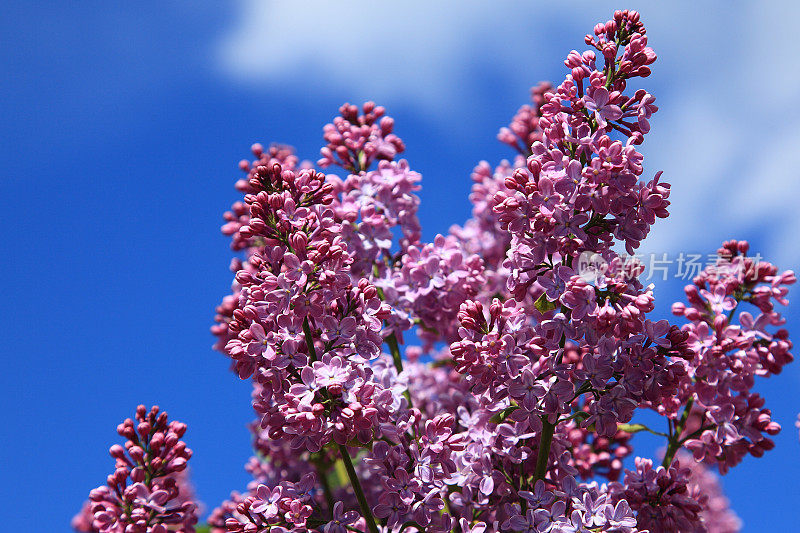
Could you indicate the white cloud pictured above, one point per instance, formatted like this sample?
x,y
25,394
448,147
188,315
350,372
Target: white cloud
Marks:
x,y
373,50
730,137
726,79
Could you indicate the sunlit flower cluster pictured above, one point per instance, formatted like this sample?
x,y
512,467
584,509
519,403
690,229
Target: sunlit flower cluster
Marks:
x,y
481,381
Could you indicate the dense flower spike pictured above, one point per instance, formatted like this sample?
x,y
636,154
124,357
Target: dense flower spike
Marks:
x,y
725,420
538,344
295,291
147,493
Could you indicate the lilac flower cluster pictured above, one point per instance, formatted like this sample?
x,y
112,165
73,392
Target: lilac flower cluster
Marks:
x,y
724,419
524,130
431,283
355,141
517,410
371,205
716,514
686,496
305,328
147,493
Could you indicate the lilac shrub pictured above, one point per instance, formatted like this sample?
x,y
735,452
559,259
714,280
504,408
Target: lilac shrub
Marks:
x,y
516,410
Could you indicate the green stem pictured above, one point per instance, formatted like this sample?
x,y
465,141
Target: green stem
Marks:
x,y
348,463
391,340
545,439
408,524
362,500
326,486
312,352
394,348
675,441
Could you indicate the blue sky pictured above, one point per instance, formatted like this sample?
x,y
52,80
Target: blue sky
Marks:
x,y
121,129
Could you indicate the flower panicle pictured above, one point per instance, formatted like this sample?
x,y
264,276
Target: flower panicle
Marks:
x,y
148,491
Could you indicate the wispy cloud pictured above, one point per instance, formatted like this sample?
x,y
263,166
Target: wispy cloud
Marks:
x,y
417,50
726,81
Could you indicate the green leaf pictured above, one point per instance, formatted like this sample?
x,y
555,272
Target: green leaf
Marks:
x,y
502,415
633,428
543,304
580,416
636,428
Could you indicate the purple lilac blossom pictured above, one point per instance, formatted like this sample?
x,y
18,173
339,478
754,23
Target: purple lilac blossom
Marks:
x,y
520,417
